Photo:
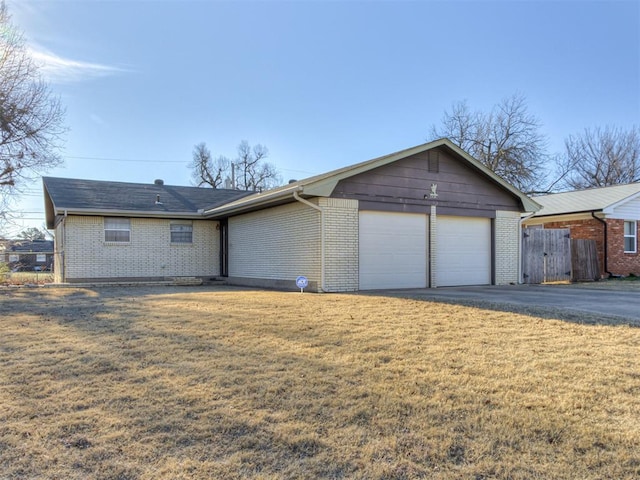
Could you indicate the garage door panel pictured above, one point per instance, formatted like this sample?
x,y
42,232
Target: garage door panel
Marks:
x,y
393,250
463,251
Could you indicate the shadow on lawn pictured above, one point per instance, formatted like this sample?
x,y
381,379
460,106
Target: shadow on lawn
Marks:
x,y
111,379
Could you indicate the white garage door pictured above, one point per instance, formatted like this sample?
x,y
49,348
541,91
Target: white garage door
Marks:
x,y
393,250
463,251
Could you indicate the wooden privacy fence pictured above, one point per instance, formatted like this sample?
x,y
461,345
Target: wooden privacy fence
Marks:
x,y
584,260
550,255
546,255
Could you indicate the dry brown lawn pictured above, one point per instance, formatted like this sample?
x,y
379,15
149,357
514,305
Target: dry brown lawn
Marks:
x,y
204,383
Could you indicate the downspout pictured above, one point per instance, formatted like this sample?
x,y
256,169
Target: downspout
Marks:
x,y
605,248
522,219
61,255
319,209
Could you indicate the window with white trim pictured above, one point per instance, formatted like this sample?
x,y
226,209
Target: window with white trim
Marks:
x,y
117,229
181,232
630,237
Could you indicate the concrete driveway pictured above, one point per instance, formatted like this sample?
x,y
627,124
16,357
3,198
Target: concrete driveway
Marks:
x,y
620,303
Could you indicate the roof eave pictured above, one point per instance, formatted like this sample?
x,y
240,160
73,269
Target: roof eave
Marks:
x,y
126,213
255,202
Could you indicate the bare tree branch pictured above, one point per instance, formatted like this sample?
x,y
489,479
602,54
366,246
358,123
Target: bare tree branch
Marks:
x,y
249,171
602,157
31,118
507,140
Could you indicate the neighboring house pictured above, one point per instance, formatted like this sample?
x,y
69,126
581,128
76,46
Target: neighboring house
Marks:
x,y
608,215
27,255
427,216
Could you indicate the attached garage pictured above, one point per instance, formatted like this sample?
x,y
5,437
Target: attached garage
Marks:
x,y
428,216
393,250
463,251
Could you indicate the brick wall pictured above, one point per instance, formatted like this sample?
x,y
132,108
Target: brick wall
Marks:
x,y
620,263
149,254
276,244
341,244
507,245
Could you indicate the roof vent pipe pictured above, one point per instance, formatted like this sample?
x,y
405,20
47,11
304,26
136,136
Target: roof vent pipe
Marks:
x,y
293,180
158,181
158,202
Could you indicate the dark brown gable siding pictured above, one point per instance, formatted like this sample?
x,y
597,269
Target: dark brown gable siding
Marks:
x,y
403,185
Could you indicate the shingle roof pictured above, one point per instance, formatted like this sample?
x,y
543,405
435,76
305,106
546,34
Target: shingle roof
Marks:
x,y
589,200
39,246
104,197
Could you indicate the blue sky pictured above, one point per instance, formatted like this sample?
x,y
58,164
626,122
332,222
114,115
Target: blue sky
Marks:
x,y
323,84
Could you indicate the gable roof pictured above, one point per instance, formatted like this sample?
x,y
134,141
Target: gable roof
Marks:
x,y
588,200
92,197
37,246
324,184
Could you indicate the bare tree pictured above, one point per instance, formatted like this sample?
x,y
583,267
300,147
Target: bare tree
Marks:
x,y
254,173
602,157
205,170
507,140
33,233
248,171
31,118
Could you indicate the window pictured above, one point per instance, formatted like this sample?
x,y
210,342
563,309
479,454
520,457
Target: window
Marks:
x,y
117,229
630,243
181,232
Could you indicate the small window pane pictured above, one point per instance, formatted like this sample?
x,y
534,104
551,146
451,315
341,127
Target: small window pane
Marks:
x,y
629,244
629,228
181,233
630,240
117,229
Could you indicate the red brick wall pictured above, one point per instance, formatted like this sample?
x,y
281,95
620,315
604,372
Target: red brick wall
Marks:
x,y
621,263
618,262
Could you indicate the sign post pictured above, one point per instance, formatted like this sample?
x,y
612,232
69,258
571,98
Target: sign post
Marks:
x,y
302,282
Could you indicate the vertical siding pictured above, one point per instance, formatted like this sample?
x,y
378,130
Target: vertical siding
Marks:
x,y
278,243
507,238
150,252
341,244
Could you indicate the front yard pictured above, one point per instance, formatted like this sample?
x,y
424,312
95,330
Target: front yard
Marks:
x,y
201,383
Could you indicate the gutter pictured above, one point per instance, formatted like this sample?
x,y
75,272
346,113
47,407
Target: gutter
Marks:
x,y
322,228
130,213
606,242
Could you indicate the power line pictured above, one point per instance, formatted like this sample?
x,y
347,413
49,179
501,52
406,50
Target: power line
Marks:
x,y
131,160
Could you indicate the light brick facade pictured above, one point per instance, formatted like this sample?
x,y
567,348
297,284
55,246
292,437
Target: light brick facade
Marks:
x,y
148,255
340,244
507,247
276,244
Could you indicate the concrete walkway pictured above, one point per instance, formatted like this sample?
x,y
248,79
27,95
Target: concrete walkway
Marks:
x,y
621,303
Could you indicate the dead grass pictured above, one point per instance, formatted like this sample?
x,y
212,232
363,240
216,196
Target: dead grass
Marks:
x,y
202,383
25,278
